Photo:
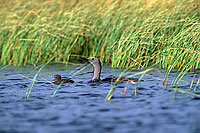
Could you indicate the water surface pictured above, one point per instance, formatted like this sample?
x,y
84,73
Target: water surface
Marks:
x,y
81,107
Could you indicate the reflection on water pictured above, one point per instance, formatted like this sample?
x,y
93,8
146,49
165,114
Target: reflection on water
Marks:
x,y
81,107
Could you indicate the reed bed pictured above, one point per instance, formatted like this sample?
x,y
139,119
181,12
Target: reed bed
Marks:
x,y
126,33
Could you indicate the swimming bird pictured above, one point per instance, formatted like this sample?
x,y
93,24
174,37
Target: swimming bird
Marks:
x,y
97,72
59,80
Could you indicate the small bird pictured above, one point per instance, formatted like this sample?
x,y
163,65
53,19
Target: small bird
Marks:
x,y
59,80
97,72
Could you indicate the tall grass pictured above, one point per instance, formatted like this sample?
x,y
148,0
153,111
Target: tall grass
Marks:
x,y
137,33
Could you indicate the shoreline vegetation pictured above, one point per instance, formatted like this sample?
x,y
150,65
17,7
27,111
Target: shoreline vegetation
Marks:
x,y
137,34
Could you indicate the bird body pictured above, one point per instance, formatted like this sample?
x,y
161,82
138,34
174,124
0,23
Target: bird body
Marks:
x,y
59,80
113,79
97,72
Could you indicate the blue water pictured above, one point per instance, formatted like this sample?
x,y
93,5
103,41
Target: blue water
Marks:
x,y
81,107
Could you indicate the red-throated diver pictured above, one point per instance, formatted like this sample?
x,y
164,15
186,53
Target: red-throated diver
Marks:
x,y
97,72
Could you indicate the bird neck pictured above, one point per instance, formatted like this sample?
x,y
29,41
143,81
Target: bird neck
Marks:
x,y
96,72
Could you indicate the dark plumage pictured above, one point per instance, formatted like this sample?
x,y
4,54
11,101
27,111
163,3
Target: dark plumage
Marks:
x,y
113,79
59,80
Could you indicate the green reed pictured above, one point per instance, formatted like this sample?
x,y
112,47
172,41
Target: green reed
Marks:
x,y
130,33
142,73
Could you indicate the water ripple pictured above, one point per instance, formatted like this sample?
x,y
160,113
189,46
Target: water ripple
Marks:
x,y
81,107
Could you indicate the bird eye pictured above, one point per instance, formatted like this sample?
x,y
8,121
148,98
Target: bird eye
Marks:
x,y
92,58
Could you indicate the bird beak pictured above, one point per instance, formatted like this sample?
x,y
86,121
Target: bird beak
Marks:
x,y
84,58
